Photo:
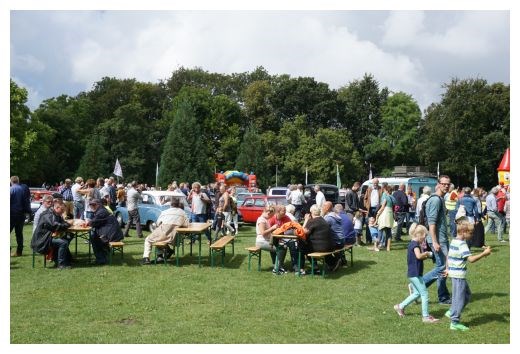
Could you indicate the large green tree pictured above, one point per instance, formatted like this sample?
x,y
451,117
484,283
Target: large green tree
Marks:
x,y
362,101
396,142
184,156
29,139
469,127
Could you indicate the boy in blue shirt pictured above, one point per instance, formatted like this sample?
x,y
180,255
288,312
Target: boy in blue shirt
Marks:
x,y
458,257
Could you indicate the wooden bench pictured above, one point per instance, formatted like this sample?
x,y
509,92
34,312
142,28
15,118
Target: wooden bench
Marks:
x,y
321,256
160,245
254,251
113,247
219,246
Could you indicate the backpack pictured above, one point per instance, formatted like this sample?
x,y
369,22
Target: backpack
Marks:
x,y
423,220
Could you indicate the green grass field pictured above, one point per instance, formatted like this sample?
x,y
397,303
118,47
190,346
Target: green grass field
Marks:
x,y
130,303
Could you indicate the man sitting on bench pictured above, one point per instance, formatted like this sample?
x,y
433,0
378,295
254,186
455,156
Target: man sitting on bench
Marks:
x,y
167,223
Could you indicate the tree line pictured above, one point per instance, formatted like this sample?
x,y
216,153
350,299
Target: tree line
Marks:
x,y
197,122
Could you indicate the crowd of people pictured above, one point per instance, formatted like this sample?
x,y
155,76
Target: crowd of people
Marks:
x,y
431,219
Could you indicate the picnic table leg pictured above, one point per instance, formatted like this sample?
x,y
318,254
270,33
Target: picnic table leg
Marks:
x,y
299,262
200,248
223,253
76,238
312,266
177,241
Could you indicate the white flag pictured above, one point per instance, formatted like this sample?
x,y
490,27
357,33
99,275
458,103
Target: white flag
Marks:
x,y
475,179
438,170
338,179
157,175
117,169
370,173
306,175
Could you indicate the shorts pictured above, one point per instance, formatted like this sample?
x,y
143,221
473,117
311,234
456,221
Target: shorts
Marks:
x,y
358,232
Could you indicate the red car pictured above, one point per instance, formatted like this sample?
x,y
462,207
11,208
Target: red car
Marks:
x,y
253,206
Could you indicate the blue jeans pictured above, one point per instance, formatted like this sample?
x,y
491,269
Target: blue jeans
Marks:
x,y
201,218
371,212
401,218
419,291
62,256
436,273
385,234
461,296
79,208
498,220
453,226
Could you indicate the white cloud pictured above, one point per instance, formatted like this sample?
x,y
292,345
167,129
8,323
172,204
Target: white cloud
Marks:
x,y
473,33
297,44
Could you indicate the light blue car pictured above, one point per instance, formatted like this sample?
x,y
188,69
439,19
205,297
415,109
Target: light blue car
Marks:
x,y
151,206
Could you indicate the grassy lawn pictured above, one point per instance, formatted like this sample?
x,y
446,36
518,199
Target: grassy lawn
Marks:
x,y
129,303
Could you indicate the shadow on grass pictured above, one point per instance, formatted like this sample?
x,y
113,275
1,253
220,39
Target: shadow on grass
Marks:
x,y
346,271
482,296
487,318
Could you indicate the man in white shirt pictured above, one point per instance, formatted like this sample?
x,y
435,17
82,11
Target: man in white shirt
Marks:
x,y
79,200
320,197
167,224
297,199
133,196
372,200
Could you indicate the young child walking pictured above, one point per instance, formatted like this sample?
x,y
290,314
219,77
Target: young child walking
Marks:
x,y
415,258
458,257
374,233
358,227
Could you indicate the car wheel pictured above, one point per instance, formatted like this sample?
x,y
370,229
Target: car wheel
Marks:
x,y
151,226
119,218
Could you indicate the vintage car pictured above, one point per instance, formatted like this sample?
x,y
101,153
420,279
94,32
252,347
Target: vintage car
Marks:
x,y
253,206
153,203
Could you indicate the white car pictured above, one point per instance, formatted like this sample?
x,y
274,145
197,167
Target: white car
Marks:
x,y
278,191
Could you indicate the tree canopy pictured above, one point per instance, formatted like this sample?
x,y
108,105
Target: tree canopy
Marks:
x,y
196,122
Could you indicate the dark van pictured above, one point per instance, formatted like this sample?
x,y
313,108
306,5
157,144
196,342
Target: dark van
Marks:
x,y
330,191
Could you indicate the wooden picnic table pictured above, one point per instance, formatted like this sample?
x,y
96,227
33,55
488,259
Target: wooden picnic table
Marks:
x,y
184,232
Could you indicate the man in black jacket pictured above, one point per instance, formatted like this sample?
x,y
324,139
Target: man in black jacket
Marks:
x,y
105,230
52,226
402,210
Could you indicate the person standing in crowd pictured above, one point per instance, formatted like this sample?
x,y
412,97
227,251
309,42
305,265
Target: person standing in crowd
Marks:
x,y
352,203
225,204
401,201
426,192
450,200
79,200
478,239
68,198
494,216
470,205
385,218
412,201
320,197
437,239
372,201
20,205
121,195
297,199
133,198
199,203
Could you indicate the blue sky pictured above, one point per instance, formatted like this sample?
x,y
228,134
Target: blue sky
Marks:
x,y
66,52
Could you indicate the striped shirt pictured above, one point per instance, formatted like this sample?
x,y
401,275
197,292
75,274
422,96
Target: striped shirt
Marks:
x,y
458,258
